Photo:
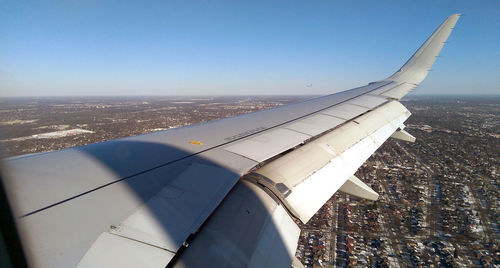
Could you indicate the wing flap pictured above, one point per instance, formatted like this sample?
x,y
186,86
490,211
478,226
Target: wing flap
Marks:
x,y
338,154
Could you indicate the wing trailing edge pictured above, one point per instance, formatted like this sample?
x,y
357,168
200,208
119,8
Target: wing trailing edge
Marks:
x,y
307,177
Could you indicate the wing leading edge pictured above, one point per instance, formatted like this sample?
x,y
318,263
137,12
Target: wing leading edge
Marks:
x,y
233,199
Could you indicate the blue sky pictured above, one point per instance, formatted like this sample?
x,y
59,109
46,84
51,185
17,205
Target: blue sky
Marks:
x,y
60,48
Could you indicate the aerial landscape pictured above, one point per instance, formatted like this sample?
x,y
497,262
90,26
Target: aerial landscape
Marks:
x,y
250,133
438,204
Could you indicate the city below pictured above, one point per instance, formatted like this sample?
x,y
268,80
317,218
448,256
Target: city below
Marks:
x,y
439,203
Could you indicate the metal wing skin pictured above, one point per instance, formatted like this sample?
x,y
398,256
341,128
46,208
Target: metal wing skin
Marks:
x,y
226,193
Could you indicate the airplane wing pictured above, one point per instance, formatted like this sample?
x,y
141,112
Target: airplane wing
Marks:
x,y
226,193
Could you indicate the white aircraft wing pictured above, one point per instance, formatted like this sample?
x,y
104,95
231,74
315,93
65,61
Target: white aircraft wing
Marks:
x,y
226,193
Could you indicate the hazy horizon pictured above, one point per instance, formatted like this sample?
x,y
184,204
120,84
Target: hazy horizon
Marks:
x,y
242,95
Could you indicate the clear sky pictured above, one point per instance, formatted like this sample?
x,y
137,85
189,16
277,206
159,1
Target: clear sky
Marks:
x,y
59,48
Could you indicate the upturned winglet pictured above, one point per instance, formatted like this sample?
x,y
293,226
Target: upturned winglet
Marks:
x,y
418,66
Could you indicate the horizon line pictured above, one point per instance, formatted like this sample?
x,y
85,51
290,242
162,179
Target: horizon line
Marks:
x,y
230,95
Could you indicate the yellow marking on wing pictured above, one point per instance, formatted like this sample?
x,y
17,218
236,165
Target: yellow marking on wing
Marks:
x,y
196,142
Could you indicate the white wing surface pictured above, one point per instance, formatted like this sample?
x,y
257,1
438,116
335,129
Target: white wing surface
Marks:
x,y
231,199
